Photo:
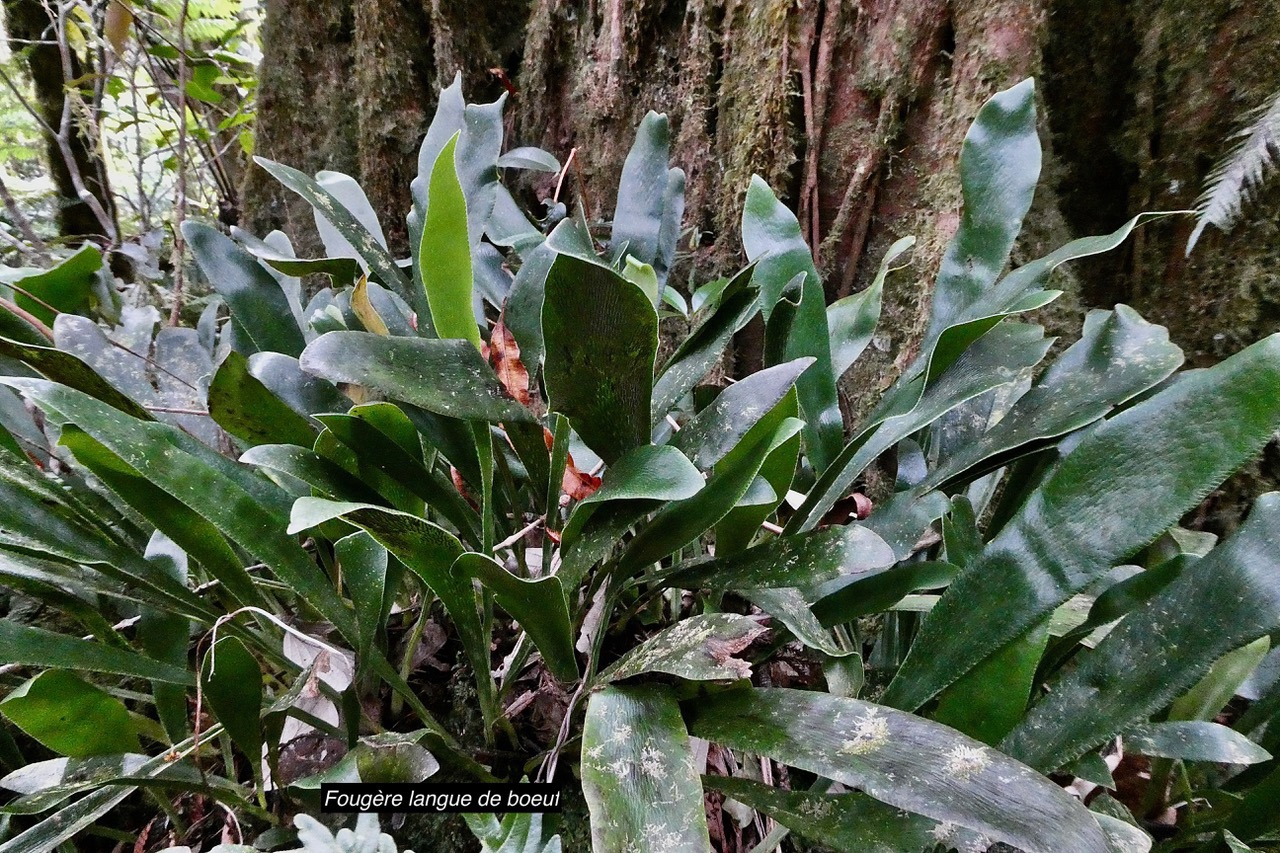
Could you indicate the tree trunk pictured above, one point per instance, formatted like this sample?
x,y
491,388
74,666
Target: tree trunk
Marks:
x,y
32,31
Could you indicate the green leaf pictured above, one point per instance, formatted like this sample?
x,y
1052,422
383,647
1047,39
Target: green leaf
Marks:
x,y
429,551
848,821
45,784
771,237
1207,699
515,833
648,195
999,168
647,473
703,348
307,395
1219,603
246,507
736,410
1125,482
366,245
73,372
1194,740
539,606
601,336
680,522
192,532
853,320
165,636
445,252
1119,355
243,406
991,698
901,760
67,287
700,648
638,775
368,431
967,362
70,716
529,158
447,377
260,310
803,560
363,563
25,645
348,193
232,683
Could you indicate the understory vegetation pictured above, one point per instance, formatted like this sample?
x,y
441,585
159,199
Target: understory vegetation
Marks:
x,y
493,513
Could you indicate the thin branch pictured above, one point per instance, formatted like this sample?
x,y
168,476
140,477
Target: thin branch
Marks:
x,y
180,204
20,220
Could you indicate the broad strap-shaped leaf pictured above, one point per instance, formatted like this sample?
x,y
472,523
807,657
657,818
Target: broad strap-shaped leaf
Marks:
x,y
968,361
350,195
718,428
304,464
30,646
853,319
260,310
1219,603
680,522
232,682
991,699
444,256
650,199
807,559
45,784
638,774
538,605
429,551
243,406
703,348
66,287
1194,740
849,821
901,760
1125,482
70,716
651,472
999,168
246,507
195,534
771,237
700,648
379,261
382,460
285,379
1119,355
601,336
68,369
447,377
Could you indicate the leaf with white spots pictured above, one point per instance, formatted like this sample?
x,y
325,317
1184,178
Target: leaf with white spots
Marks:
x,y
700,648
1194,740
904,761
638,775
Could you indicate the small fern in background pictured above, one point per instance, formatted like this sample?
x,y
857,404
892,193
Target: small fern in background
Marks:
x,y
1235,179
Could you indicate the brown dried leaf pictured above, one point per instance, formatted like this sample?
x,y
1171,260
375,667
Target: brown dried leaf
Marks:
x,y
504,354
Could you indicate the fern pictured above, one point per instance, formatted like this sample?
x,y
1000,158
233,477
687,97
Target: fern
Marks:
x,y
1234,181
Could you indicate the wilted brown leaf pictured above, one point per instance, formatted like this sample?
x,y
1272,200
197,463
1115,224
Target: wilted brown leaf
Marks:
x,y
504,354
575,483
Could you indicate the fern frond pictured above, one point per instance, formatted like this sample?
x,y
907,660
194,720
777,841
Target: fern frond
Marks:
x,y
1235,180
